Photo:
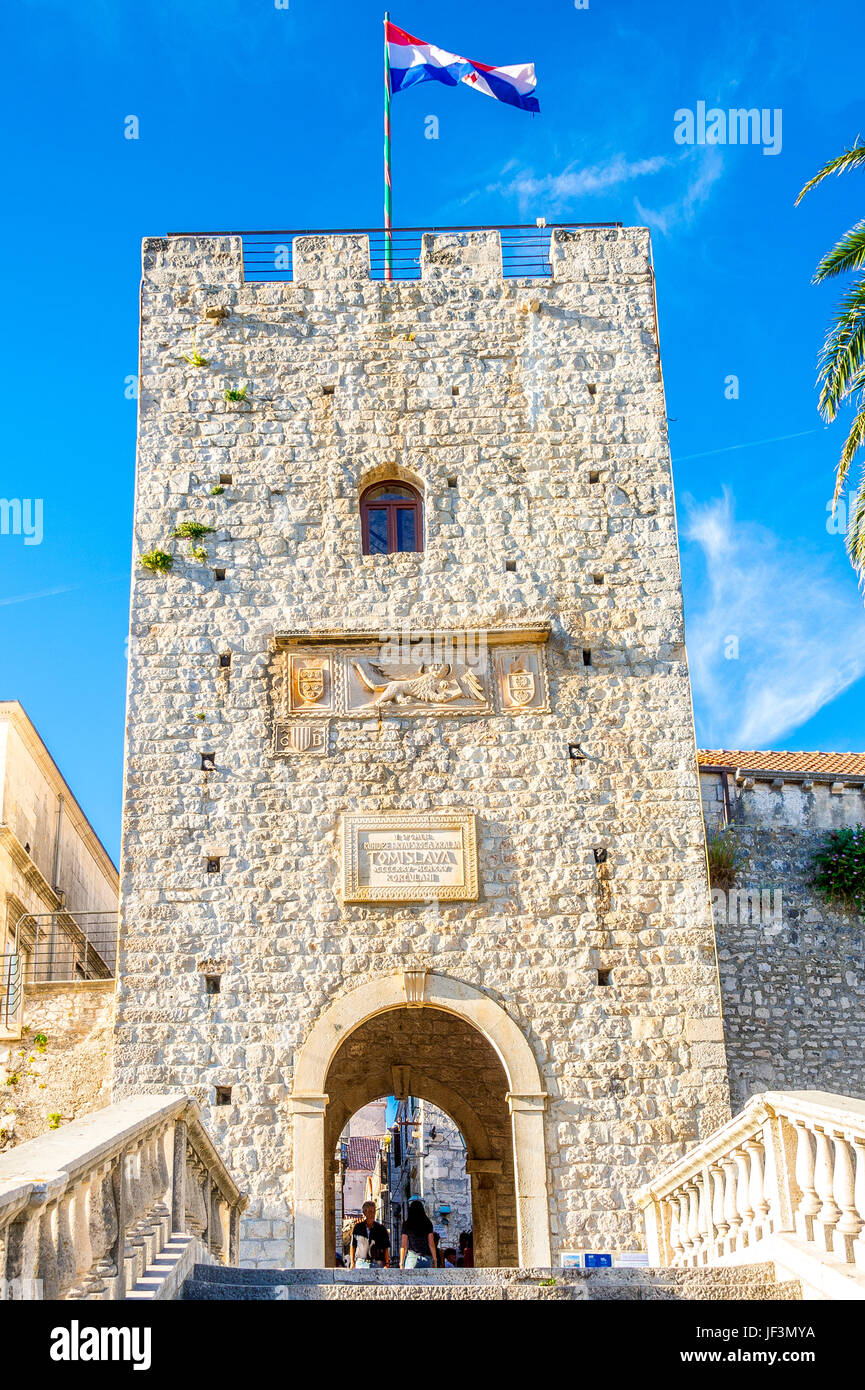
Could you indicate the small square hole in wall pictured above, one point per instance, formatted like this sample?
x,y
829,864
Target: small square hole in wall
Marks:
x,y
225,478
594,475
214,865
605,978
219,574
224,660
452,482
510,566
208,762
587,656
212,984
455,390
597,579
591,388
223,1095
600,854
328,390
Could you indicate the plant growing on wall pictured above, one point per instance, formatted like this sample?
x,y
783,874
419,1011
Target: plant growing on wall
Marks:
x,y
236,393
217,490
54,1119
726,857
839,868
192,531
195,359
157,561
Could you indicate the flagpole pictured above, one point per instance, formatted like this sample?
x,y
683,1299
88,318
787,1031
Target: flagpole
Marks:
x,y
388,194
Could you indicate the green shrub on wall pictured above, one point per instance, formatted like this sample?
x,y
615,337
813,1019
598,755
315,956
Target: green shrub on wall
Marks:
x,y
839,868
726,857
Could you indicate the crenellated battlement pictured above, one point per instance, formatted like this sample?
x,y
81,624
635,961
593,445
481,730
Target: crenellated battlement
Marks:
x,y
457,255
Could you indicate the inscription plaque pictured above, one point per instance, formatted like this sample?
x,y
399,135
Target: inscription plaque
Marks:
x,y
410,858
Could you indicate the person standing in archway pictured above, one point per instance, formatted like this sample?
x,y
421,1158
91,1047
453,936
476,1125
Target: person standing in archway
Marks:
x,y
370,1242
417,1245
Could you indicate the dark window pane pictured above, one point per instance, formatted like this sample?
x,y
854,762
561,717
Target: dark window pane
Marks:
x,y
377,521
405,528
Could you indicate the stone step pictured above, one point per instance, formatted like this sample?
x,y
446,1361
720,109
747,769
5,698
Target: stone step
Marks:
x,y
721,1274
748,1283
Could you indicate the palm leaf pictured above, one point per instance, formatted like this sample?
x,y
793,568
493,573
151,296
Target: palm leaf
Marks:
x,y
847,254
849,159
856,527
843,353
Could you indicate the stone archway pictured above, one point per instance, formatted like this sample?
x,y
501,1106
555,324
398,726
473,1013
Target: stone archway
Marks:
x,y
523,1103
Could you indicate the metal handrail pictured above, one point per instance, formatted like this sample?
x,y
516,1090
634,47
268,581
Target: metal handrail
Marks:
x,y
11,992
268,255
60,946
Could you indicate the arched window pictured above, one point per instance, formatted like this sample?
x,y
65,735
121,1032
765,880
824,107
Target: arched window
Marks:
x,y
391,518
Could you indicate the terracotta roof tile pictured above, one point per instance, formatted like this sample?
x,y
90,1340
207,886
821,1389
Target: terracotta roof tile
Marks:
x,y
363,1154
820,764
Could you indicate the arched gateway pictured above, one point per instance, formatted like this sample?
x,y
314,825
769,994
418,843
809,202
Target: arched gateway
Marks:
x,y
418,1020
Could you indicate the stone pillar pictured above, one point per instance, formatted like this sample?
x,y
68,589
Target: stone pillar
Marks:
x,y
530,1178
311,1174
484,1173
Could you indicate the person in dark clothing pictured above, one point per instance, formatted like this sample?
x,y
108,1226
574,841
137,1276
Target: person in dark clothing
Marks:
x,y
370,1242
417,1245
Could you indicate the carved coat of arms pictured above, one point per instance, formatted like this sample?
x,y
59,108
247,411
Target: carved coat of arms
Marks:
x,y
520,684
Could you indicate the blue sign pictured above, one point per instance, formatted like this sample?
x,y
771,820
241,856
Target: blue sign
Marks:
x,y
597,1261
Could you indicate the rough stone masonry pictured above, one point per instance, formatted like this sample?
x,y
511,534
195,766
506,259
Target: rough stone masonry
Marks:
x,y
530,416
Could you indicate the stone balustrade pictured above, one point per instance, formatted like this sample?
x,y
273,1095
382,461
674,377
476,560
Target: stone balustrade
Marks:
x,y
793,1162
86,1209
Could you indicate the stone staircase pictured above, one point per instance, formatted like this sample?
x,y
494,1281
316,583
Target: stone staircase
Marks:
x,y
750,1282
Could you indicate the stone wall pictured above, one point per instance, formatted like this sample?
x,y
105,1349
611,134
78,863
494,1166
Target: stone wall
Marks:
x,y
531,417
44,1084
792,966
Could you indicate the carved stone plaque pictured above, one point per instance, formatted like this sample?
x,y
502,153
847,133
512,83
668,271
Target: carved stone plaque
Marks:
x,y
291,739
521,680
310,683
415,686
407,857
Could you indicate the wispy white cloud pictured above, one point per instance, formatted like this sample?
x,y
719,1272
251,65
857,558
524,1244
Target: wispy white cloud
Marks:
x,y
556,191
706,165
777,636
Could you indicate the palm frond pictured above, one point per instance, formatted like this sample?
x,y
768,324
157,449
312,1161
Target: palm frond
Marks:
x,y
846,254
843,353
852,444
856,530
849,159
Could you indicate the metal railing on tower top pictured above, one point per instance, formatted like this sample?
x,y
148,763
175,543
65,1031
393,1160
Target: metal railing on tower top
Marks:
x,y
525,248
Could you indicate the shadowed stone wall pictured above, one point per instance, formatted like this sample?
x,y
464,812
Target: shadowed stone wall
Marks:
x,y
792,966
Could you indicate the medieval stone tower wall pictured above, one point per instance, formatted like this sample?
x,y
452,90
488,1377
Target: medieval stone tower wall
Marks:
x,y
530,416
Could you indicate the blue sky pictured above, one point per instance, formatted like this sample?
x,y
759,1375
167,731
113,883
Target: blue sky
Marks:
x,y
255,116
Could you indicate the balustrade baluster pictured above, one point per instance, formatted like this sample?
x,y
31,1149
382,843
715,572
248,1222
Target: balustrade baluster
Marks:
x,y
693,1222
809,1204
859,1190
704,1219
756,1188
683,1204
829,1214
719,1221
671,1205
844,1191
731,1204
743,1199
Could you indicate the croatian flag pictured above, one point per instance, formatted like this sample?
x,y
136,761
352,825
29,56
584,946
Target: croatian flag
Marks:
x,y
411,60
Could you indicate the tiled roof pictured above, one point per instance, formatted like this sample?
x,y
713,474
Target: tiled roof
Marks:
x,y
820,764
363,1154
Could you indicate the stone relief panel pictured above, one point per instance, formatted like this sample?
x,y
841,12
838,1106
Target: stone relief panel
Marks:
x,y
291,739
408,857
521,682
407,677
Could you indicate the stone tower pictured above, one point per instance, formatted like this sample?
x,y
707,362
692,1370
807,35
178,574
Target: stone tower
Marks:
x,y
424,820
